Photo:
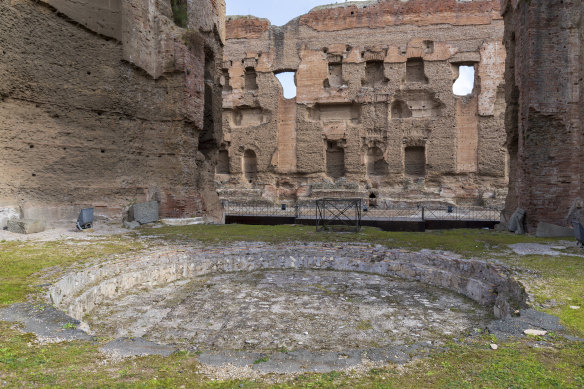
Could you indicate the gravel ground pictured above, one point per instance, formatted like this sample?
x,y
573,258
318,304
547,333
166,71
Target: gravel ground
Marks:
x,y
67,230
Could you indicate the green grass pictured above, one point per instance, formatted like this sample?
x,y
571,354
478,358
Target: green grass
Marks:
x,y
179,12
79,364
69,326
261,360
560,279
21,262
364,325
471,364
467,242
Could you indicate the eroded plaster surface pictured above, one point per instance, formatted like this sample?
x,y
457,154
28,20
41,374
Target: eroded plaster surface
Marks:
x,y
107,103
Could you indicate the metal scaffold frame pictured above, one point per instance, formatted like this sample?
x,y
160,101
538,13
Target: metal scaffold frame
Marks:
x,y
338,214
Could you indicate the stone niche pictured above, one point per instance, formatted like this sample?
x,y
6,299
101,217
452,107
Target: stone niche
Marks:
x,y
335,112
335,160
415,161
374,74
138,120
222,162
375,162
367,78
248,117
415,71
335,75
250,165
416,104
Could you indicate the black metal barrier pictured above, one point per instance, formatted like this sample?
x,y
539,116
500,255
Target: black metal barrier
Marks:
x,y
417,218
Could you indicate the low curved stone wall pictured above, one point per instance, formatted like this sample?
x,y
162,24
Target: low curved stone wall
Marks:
x,y
487,283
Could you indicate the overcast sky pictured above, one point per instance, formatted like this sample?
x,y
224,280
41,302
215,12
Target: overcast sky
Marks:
x,y
280,12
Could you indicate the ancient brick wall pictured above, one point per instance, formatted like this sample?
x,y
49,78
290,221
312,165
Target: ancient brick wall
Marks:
x,y
544,112
108,106
374,83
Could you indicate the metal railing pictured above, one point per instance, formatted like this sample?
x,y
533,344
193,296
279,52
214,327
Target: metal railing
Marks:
x,y
413,213
462,213
397,213
283,210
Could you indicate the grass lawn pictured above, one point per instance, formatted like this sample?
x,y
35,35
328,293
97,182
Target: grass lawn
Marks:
x,y
556,283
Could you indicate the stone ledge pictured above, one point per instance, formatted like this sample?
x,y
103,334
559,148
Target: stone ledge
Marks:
x,y
488,284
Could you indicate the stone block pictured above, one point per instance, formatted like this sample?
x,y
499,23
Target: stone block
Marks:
x,y
131,225
183,222
50,213
26,226
517,221
144,213
548,230
7,213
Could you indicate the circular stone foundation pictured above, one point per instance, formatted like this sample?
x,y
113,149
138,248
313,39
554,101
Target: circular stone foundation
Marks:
x,y
331,303
289,309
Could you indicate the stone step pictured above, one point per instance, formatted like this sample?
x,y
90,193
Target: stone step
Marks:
x,y
183,221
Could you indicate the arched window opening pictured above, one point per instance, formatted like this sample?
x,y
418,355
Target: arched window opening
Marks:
x,y
288,82
464,84
372,200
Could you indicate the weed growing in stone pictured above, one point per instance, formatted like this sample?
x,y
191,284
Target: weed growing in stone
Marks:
x,y
261,360
364,325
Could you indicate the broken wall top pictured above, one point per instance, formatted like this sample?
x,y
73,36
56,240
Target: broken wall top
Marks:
x,y
146,29
391,31
380,14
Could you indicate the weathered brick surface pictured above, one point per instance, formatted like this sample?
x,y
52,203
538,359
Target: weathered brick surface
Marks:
x,y
544,115
103,17
387,13
351,63
106,119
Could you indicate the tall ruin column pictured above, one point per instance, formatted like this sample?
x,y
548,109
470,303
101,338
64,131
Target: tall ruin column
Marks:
x,y
544,116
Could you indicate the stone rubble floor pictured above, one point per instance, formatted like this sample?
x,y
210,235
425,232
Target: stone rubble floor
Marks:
x,y
289,309
291,320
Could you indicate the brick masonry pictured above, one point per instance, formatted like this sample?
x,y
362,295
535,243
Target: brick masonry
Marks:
x,y
544,119
342,135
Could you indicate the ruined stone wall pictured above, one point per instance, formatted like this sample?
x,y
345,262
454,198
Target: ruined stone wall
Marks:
x,y
375,113
106,103
544,119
